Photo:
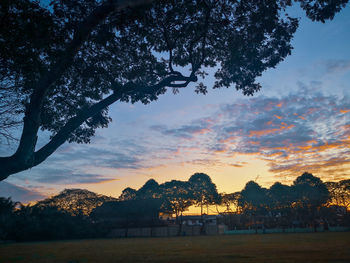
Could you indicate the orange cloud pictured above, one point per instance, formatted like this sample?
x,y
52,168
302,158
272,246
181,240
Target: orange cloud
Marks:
x,y
344,111
304,148
253,142
265,132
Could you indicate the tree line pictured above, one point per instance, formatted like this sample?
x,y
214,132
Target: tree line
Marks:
x,y
307,201
76,213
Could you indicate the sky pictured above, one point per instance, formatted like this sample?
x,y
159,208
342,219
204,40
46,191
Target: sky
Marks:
x,y
299,121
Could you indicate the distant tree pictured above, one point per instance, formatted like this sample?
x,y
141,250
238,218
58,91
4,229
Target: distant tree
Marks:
x,y
7,217
310,191
254,200
281,196
177,196
50,223
203,190
7,206
75,201
310,194
69,61
149,190
128,194
339,193
281,203
344,185
231,200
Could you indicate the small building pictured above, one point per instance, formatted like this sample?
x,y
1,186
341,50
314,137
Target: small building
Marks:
x,y
198,220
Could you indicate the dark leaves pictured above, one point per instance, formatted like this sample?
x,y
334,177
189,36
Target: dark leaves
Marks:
x,y
132,51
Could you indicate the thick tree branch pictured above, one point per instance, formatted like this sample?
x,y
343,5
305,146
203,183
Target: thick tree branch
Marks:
x,y
11,165
76,121
32,120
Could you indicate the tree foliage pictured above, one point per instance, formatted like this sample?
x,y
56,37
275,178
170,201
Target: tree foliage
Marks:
x,y
310,191
229,200
128,194
77,213
177,195
339,193
149,190
203,190
254,197
280,195
68,62
75,201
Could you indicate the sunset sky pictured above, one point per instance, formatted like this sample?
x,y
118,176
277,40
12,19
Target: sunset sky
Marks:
x,y
299,121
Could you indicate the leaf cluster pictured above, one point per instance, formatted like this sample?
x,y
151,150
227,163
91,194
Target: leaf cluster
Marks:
x,y
140,52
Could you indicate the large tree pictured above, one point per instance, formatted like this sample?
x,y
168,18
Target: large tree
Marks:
x,y
177,196
75,201
310,194
69,61
128,194
231,200
254,201
149,190
339,193
310,191
203,190
254,198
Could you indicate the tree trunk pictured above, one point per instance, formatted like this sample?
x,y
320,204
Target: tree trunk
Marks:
x,y
25,156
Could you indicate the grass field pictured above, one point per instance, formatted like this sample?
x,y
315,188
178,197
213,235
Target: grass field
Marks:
x,y
306,247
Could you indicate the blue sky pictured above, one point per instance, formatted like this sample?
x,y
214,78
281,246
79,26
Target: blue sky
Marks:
x,y
299,121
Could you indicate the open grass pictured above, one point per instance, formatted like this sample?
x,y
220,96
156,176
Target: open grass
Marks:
x,y
306,247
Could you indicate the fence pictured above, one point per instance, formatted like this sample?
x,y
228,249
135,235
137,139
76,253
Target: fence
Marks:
x,y
168,231
286,230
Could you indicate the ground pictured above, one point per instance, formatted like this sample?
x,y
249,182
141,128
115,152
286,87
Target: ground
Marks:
x,y
306,247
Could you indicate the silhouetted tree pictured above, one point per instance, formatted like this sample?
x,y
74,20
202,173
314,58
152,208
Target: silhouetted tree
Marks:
x,y
50,222
281,201
10,114
310,191
149,190
229,200
203,190
339,193
310,194
75,201
7,217
128,194
177,196
254,197
254,200
280,195
68,62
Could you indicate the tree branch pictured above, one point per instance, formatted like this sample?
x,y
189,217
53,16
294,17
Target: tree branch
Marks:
x,y
76,121
32,119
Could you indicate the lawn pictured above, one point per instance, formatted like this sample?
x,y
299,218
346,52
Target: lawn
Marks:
x,y
306,247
